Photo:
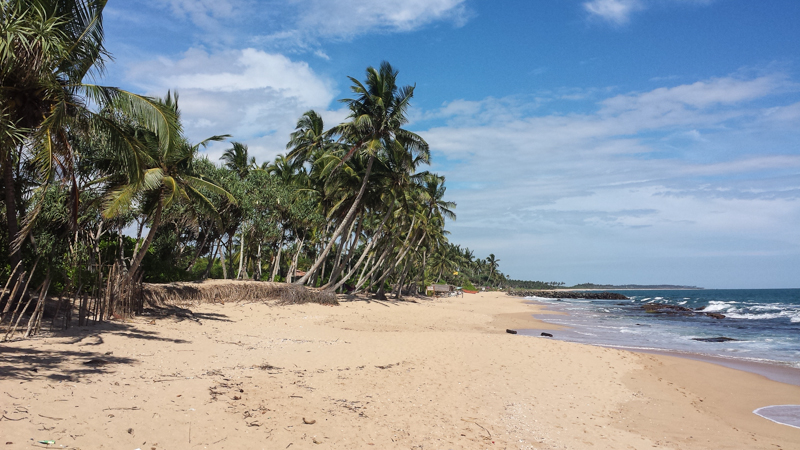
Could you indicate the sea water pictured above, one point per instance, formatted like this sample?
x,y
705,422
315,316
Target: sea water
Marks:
x,y
765,323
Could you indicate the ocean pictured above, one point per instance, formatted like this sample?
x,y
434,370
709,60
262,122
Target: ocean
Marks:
x,y
763,323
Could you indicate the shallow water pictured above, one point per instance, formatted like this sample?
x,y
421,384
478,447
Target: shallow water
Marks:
x,y
764,323
782,414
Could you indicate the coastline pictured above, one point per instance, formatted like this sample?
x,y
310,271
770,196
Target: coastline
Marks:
x,y
773,370
439,373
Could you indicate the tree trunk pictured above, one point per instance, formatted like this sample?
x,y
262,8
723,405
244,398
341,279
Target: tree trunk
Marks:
x,y
277,265
376,266
339,264
212,255
138,238
137,261
398,288
241,258
222,262
299,243
367,249
322,275
198,252
257,269
14,256
342,226
422,270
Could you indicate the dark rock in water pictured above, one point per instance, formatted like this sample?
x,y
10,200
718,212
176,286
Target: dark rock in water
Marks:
x,y
547,335
715,339
664,308
570,294
511,331
700,308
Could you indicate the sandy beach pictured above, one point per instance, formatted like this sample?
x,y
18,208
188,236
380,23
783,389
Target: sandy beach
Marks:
x,y
431,374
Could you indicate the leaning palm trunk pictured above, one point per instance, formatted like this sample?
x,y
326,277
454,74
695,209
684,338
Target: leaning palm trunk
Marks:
x,y
340,265
198,252
400,255
353,269
211,257
398,288
370,244
375,267
293,269
137,261
345,222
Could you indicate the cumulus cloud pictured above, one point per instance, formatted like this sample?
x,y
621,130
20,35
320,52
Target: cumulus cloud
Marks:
x,y
254,95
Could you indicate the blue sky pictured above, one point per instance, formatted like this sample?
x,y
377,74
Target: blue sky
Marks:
x,y
607,141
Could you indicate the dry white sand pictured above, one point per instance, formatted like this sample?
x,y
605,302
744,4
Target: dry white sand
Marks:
x,y
438,374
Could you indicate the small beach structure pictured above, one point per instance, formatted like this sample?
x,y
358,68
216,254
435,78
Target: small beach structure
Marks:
x,y
447,290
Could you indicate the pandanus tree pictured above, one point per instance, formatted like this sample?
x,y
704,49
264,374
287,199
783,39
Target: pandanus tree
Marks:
x,y
377,115
47,51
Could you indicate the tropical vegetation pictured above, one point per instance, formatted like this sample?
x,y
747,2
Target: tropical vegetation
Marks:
x,y
102,191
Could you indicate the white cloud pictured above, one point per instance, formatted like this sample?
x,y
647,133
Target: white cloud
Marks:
x,y
337,19
552,189
346,19
203,12
615,11
253,95
619,12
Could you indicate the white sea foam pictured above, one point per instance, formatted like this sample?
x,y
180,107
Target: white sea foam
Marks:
x,y
782,414
715,306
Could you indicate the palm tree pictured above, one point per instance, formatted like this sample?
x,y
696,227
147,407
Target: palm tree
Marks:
x,y
238,160
376,117
170,179
308,139
48,48
492,262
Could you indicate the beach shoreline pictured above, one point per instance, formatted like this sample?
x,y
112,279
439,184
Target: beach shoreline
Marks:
x,y
772,369
433,373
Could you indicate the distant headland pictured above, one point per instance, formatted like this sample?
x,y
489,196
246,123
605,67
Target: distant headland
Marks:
x,y
548,285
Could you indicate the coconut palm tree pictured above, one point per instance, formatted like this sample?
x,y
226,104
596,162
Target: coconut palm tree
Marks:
x,y
309,139
492,262
238,160
171,178
377,114
48,49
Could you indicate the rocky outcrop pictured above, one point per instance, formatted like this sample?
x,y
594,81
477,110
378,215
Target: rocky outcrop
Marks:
x,y
662,308
715,339
570,294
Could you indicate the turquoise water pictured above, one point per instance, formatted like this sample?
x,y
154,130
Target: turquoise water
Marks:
x,y
765,323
